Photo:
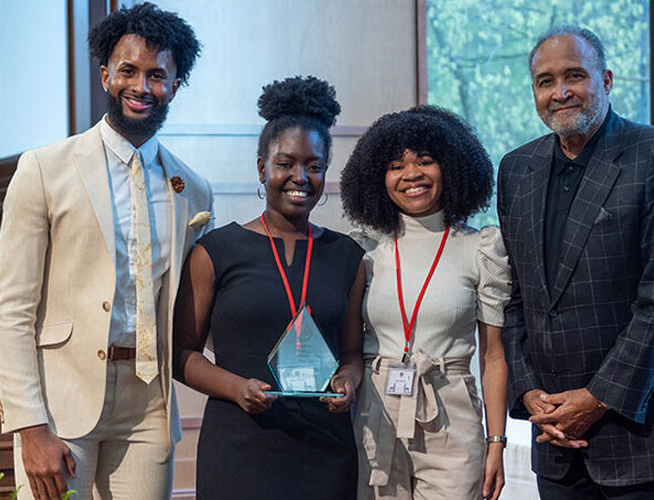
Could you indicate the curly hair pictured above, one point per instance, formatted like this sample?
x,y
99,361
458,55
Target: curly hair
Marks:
x,y
467,171
308,103
162,31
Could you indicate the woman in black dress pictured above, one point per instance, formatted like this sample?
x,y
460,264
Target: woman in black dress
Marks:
x,y
254,445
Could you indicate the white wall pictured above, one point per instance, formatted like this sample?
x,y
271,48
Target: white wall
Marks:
x,y
365,48
33,74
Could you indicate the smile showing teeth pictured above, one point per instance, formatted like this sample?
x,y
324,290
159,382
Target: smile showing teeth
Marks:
x,y
299,194
137,104
415,190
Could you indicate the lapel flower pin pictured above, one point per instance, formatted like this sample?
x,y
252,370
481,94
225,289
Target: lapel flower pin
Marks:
x,y
200,220
177,183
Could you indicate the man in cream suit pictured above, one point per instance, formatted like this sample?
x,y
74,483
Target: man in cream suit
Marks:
x,y
94,234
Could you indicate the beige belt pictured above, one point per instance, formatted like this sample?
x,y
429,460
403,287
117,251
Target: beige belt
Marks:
x,y
420,407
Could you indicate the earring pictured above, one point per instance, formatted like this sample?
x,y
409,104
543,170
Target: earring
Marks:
x,y
321,203
259,194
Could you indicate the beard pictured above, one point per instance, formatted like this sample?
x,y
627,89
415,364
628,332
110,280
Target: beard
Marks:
x,y
130,128
582,122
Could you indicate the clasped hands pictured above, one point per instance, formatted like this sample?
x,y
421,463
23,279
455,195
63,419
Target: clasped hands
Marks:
x,y
563,417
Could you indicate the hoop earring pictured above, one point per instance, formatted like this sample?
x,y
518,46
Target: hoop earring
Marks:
x,y
322,203
259,195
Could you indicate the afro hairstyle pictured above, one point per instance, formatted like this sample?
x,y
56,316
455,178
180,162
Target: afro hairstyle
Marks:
x,y
467,171
162,31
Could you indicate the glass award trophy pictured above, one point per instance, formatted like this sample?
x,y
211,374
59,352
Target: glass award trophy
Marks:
x,y
301,361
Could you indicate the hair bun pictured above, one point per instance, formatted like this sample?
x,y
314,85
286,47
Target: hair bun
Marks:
x,y
298,95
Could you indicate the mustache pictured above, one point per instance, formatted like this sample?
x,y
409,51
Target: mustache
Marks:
x,y
149,98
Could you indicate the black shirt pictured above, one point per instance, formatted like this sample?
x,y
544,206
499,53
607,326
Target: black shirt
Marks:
x,y
565,177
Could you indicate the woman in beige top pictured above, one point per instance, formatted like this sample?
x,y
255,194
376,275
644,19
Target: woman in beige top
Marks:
x,y
413,180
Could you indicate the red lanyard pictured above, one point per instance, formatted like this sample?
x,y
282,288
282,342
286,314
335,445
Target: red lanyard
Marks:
x,y
408,328
307,265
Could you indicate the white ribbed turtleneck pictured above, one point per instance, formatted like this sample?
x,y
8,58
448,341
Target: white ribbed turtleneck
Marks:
x,y
471,283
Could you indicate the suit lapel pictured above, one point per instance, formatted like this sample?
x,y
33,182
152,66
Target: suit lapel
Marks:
x,y
179,206
91,163
537,181
596,184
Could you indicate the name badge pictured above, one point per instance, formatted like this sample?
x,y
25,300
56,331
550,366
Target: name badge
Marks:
x,y
400,380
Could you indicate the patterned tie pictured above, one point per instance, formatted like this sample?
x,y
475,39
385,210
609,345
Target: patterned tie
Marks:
x,y
146,322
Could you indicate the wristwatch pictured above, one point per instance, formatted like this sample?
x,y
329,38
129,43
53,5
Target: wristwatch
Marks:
x,y
497,439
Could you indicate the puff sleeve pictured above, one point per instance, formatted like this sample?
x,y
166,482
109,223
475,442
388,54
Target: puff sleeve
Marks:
x,y
494,286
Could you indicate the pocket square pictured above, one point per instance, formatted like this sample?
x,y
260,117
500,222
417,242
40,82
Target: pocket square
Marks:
x,y
602,216
200,219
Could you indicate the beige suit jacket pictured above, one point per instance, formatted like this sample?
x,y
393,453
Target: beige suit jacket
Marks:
x,y
57,284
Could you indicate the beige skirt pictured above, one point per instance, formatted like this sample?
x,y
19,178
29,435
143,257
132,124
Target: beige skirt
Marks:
x,y
426,446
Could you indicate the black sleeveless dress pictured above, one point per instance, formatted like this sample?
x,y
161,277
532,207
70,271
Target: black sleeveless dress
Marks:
x,y
297,449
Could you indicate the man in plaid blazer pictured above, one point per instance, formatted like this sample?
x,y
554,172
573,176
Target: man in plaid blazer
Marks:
x,y
576,209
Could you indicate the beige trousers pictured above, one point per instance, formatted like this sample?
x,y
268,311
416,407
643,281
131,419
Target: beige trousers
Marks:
x,y
441,450
127,455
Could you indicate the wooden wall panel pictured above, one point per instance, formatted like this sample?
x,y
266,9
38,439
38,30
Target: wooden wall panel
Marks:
x,y
6,466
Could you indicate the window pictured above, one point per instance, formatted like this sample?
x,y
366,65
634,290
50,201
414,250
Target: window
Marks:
x,y
477,62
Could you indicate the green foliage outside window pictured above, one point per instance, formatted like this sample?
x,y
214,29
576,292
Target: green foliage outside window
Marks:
x,y
477,62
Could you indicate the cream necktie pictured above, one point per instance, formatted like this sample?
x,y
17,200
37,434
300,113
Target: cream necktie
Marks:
x,y
146,322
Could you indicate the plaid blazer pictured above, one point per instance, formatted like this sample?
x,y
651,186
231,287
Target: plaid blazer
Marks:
x,y
595,328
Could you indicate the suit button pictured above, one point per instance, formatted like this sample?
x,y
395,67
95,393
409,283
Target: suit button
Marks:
x,y
102,355
553,314
106,306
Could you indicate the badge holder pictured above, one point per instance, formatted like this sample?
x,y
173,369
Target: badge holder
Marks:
x,y
401,376
301,361
400,379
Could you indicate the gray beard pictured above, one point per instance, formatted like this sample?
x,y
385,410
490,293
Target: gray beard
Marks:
x,y
582,123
